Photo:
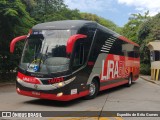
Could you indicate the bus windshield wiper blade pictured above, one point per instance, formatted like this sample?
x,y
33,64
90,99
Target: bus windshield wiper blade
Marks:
x,y
39,66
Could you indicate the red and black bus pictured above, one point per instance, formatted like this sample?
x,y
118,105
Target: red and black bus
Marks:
x,y
65,60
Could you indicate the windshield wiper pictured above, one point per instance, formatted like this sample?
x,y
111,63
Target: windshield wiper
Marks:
x,y
41,58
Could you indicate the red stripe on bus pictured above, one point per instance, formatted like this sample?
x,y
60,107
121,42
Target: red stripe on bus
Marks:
x,y
113,85
28,79
127,40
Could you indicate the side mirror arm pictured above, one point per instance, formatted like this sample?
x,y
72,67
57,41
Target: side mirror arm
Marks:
x,y
71,41
15,40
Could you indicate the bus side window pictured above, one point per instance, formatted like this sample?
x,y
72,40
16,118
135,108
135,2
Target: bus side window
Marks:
x,y
118,47
136,50
78,56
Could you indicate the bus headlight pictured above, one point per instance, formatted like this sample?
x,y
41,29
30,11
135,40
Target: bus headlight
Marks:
x,y
61,84
18,79
18,90
59,94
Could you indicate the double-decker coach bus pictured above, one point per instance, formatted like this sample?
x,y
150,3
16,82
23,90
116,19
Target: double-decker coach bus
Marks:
x,y
65,60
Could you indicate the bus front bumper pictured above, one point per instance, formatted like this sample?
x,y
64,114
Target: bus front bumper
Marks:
x,y
58,97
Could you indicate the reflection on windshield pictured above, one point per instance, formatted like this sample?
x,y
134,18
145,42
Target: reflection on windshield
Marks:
x,y
46,54
32,49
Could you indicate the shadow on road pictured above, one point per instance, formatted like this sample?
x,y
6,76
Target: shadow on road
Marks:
x,y
54,103
115,89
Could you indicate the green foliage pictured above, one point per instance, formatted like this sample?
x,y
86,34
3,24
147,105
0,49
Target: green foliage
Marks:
x,y
148,31
145,69
64,14
107,23
131,28
14,21
132,31
30,4
52,10
18,16
48,10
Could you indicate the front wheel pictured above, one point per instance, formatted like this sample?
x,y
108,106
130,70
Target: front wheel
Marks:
x,y
93,90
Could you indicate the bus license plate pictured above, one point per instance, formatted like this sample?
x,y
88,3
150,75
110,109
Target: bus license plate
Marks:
x,y
36,93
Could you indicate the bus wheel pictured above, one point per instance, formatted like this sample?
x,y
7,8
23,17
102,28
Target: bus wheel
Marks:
x,y
129,81
93,89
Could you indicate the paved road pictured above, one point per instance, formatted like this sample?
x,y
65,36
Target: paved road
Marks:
x,y
141,96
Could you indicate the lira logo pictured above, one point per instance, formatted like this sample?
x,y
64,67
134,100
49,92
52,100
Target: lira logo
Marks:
x,y
112,70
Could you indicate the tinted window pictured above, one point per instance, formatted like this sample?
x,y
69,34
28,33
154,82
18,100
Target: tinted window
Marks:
x,y
118,48
123,48
136,52
88,30
79,55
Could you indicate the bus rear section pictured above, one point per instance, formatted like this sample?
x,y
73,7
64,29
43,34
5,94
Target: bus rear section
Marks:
x,y
65,60
116,61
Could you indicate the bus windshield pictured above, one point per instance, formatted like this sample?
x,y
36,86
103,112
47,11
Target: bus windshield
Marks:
x,y
46,52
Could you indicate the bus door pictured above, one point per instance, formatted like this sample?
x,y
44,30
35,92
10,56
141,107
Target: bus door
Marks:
x,y
78,57
79,68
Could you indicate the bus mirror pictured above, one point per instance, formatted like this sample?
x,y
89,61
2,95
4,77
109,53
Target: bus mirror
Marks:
x,y
13,42
72,40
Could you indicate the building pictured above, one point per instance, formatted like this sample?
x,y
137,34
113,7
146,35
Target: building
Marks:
x,y
154,48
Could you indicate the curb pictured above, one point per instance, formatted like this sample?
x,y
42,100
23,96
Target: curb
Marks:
x,y
149,80
6,84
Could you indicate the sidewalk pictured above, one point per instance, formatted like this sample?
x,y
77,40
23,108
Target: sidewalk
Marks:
x,y
148,78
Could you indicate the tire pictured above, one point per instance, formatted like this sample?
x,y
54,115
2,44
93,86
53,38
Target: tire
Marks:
x,y
129,81
93,89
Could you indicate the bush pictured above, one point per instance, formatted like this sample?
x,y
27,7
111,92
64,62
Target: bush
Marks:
x,y
145,69
8,77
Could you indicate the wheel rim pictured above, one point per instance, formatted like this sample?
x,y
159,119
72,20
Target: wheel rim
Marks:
x,y
92,89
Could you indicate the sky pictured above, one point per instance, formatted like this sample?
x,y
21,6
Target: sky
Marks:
x,y
117,11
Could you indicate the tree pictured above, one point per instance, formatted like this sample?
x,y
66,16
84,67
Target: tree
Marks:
x,y
30,4
107,23
130,29
14,21
147,32
52,10
150,29
47,10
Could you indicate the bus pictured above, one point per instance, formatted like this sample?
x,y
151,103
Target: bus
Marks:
x,y
69,59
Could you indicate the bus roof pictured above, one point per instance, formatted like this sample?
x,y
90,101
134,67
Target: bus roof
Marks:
x,y
70,24
64,24
77,24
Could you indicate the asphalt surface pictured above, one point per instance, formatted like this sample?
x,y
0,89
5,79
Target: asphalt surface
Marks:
x,y
141,96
